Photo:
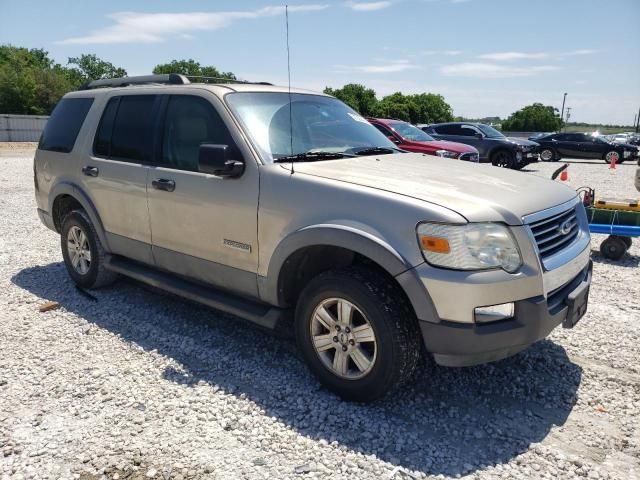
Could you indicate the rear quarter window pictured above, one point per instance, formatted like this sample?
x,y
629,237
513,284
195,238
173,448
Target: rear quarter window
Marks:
x,y
62,128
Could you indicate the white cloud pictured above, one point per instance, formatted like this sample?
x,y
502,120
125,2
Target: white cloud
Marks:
x,y
452,52
367,6
135,27
390,67
584,51
492,70
506,56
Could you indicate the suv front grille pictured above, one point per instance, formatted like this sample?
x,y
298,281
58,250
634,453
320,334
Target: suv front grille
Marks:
x,y
556,232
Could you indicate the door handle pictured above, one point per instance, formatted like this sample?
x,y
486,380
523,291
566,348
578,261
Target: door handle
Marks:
x,y
90,171
164,184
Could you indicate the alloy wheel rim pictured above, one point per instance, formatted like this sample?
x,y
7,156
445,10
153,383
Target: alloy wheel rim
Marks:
x,y
613,156
78,250
343,338
546,155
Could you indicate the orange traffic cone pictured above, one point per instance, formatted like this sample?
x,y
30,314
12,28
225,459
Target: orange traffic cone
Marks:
x,y
612,164
564,175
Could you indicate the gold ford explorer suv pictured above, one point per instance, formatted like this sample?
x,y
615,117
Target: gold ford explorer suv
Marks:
x,y
288,209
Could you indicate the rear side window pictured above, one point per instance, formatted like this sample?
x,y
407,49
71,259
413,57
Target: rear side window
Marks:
x,y
449,130
64,124
132,137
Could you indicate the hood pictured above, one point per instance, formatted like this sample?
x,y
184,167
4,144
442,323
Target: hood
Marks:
x,y
627,146
477,192
523,141
441,145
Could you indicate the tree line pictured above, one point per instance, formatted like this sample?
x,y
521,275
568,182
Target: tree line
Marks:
x,y
31,83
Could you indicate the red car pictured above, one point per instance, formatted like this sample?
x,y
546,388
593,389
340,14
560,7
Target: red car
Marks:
x,y
411,138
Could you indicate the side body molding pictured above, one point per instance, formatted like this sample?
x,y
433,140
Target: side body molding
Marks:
x,y
343,236
67,188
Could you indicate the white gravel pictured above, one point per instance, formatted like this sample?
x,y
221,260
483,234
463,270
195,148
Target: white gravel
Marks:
x,y
138,384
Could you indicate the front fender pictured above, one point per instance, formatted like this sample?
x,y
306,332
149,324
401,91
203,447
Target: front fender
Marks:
x,y
73,190
342,236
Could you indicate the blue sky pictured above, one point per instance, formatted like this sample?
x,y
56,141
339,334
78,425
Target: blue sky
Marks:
x,y
487,57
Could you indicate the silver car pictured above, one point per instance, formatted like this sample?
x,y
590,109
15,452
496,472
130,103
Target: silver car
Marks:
x,y
288,209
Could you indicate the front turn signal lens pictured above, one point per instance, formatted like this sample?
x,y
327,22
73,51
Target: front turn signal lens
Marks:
x,y
435,244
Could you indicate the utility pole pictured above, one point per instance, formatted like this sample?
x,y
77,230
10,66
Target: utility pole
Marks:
x,y
562,113
635,121
638,121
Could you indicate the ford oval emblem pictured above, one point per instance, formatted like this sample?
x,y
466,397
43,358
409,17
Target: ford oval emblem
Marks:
x,y
565,227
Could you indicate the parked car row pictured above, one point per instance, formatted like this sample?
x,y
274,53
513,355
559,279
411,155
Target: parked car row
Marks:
x,y
583,145
492,145
411,138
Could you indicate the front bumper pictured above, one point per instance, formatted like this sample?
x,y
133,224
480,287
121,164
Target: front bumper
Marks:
x,y
463,344
46,219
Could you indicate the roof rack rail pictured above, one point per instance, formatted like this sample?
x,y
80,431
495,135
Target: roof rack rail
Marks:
x,y
168,78
224,80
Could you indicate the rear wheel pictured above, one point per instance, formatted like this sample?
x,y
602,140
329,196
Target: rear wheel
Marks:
x,y
613,248
611,156
547,155
83,253
503,158
357,333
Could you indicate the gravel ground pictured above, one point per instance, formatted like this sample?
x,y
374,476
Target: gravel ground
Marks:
x,y
134,383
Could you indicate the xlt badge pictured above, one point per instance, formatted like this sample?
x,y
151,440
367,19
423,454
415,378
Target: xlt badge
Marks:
x,y
237,245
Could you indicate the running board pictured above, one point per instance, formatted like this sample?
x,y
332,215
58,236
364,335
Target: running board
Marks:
x,y
261,314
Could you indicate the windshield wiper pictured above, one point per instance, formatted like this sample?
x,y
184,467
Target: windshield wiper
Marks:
x,y
375,150
311,157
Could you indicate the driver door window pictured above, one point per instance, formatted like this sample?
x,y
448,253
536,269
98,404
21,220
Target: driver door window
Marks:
x,y
190,122
468,131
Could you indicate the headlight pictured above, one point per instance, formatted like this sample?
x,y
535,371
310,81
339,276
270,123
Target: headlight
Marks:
x,y
474,246
447,154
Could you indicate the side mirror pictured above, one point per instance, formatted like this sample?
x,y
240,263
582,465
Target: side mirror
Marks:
x,y
214,159
479,136
393,139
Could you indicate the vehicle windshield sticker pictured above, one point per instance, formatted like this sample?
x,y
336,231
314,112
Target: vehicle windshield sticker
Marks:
x,y
357,117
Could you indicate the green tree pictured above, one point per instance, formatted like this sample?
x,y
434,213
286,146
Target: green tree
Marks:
x,y
395,105
362,99
533,118
88,67
32,83
191,67
430,108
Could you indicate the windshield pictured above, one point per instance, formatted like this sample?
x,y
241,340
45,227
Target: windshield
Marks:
x,y
408,131
320,124
490,132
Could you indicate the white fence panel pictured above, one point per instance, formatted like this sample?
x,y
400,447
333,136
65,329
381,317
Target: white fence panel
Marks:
x,y
21,128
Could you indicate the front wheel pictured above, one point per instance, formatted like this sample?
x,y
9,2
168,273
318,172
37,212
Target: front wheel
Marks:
x,y
503,158
611,156
356,333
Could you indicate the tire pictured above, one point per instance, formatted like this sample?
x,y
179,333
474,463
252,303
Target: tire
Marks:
x,y
547,155
79,234
504,159
379,313
627,240
610,155
613,248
